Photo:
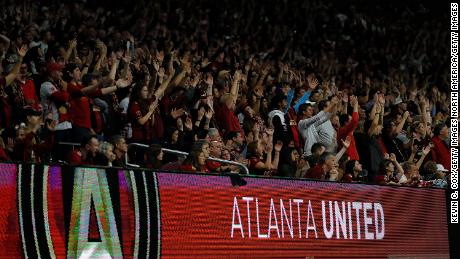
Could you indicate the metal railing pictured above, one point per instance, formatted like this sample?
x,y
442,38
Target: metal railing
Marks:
x,y
181,153
166,150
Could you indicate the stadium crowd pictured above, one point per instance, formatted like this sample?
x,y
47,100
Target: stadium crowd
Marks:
x,y
301,89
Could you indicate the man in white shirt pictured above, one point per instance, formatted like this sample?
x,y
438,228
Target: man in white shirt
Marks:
x,y
308,127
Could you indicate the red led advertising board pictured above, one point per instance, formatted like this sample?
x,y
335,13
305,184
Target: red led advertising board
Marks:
x,y
65,212
207,216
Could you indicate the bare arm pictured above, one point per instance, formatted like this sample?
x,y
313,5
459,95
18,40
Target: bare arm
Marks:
x,y
399,169
160,91
235,85
113,69
103,52
403,121
68,53
6,40
344,148
14,72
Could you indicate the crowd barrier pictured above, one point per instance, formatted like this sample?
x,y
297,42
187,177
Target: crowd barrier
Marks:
x,y
78,212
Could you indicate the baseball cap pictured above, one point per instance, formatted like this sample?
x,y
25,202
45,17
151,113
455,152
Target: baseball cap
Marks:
x,y
440,167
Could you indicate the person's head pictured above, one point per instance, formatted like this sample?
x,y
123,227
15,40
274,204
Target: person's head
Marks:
x,y
318,149
225,154
353,166
120,145
278,102
175,136
315,96
72,73
33,115
23,70
420,129
235,137
90,144
328,161
344,119
214,135
295,156
323,104
441,130
306,110
441,171
54,71
409,168
140,91
106,149
248,111
21,132
335,121
202,145
390,127
429,168
256,148
46,36
154,155
215,148
198,159
387,167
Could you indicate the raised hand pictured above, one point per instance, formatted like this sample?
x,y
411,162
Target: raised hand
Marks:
x,y
161,72
160,55
312,82
52,125
256,128
278,146
347,142
406,114
209,114
353,100
73,44
393,158
237,75
196,80
188,123
177,113
209,79
23,50
123,83
201,112
270,131
426,150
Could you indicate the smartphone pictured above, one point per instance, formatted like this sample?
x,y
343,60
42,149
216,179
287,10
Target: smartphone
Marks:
x,y
128,44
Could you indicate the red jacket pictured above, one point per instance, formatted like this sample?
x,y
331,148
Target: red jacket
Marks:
x,y
440,152
80,105
347,130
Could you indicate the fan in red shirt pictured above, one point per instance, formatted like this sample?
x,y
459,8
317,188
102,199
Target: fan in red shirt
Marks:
x,y
80,98
195,162
347,128
228,121
440,151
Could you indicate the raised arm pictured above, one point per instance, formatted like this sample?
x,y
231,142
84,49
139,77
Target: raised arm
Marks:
x,y
14,72
345,146
399,169
400,126
160,91
103,52
235,85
